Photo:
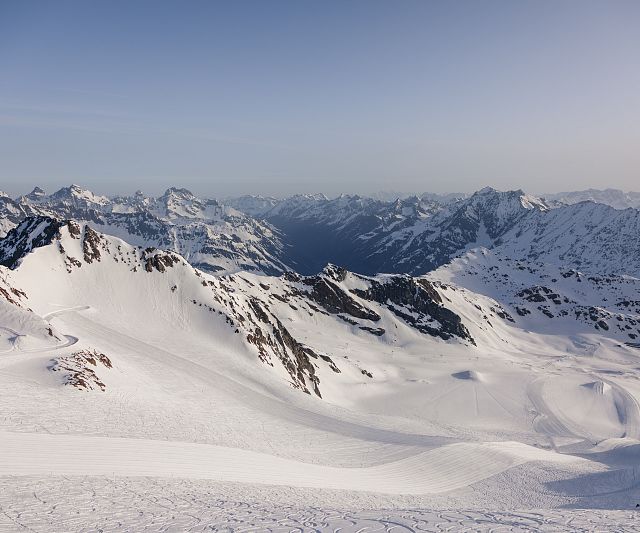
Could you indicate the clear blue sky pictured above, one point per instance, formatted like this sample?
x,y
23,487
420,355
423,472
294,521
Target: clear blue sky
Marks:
x,y
279,97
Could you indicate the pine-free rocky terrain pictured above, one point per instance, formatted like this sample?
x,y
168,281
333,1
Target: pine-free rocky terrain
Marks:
x,y
431,363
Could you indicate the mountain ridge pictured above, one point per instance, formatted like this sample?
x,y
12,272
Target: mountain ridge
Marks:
x,y
413,235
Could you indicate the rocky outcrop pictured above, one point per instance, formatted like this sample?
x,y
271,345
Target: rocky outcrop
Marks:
x,y
158,260
335,300
419,304
91,245
270,336
31,233
79,369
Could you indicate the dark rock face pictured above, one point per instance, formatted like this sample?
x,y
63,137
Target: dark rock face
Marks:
x,y
418,303
539,294
378,332
157,260
31,233
12,295
74,229
335,300
415,300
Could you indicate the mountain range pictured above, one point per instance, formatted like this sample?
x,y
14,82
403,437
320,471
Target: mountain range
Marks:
x,y
303,233
423,347
397,254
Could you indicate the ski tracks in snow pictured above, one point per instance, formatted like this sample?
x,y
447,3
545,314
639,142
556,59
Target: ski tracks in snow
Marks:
x,y
138,504
49,316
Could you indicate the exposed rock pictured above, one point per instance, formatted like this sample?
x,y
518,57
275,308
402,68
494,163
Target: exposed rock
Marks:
x,y
91,245
31,233
80,367
273,337
335,300
419,304
156,260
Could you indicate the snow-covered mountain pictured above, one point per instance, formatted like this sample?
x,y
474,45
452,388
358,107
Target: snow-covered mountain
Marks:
x,y
12,212
303,233
255,206
612,197
506,370
414,235
210,235
591,237
545,297
107,271
483,298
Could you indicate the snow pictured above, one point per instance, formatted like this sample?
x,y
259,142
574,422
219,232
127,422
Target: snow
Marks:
x,y
613,197
439,470
193,429
141,504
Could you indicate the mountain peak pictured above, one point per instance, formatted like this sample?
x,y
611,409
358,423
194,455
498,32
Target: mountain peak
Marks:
x,y
524,200
178,192
35,194
485,191
491,191
78,195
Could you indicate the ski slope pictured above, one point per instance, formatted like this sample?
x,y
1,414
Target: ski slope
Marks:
x,y
439,470
523,419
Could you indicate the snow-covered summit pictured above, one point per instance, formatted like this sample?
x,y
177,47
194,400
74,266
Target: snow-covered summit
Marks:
x,y
252,205
613,197
35,195
74,196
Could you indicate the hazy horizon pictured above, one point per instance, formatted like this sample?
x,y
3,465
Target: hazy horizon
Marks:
x,y
386,195
285,97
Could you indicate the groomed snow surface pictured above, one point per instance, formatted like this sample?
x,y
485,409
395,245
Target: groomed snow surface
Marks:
x,y
193,433
146,504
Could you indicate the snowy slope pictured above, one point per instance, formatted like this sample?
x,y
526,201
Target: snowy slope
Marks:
x,y
83,267
21,329
495,381
374,345
545,297
591,237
